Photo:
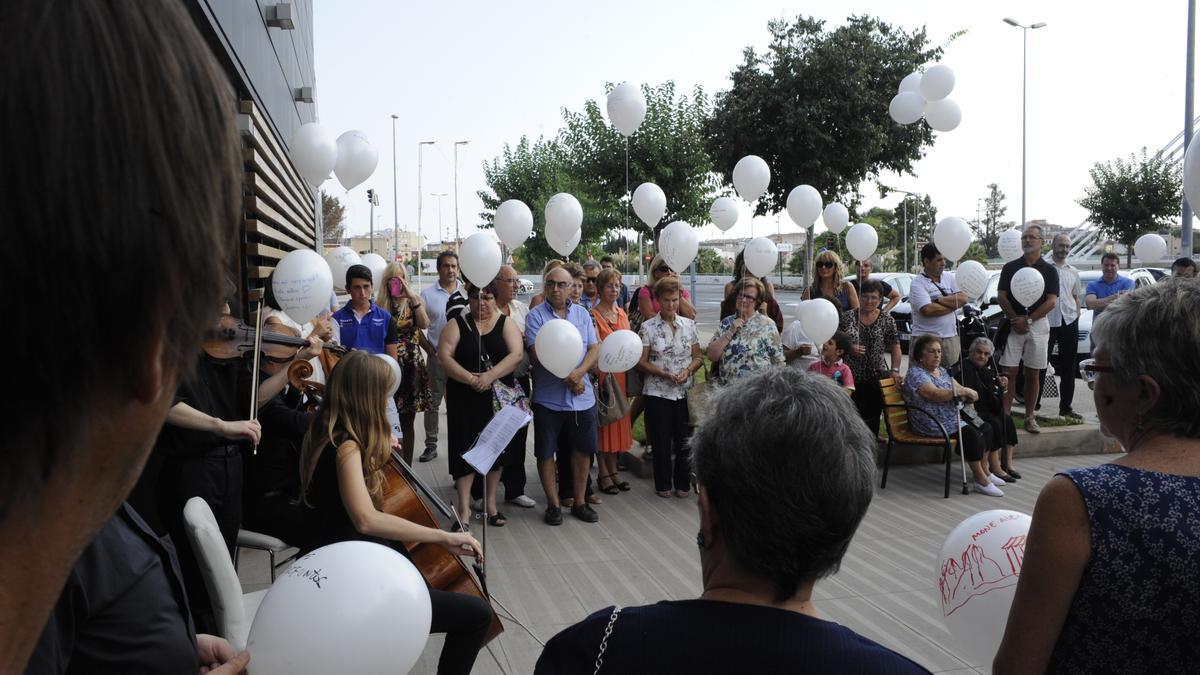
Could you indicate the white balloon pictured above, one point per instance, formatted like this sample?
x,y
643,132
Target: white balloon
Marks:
x,y
649,203
341,259
302,283
620,351
1009,245
514,222
972,278
836,217
479,258
377,265
952,237
678,245
804,205
943,114
564,215
906,107
566,245
760,255
861,241
324,614
395,373
911,82
1027,286
751,176
626,108
1150,248
559,347
314,151
1191,175
356,159
937,82
819,319
725,212
976,578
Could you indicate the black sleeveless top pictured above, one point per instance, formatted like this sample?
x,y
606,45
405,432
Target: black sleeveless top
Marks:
x,y
324,516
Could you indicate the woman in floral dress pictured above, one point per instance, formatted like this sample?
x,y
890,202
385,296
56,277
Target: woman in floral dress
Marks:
x,y
404,304
747,341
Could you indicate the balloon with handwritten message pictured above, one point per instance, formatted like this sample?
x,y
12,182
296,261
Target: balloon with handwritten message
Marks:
x,y
976,578
1027,286
325,614
620,351
302,284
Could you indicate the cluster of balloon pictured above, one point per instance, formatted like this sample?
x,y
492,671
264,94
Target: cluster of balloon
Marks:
x,y
626,108
302,283
564,220
514,222
324,613
760,256
1150,248
341,259
1009,245
976,578
479,258
818,318
316,153
926,95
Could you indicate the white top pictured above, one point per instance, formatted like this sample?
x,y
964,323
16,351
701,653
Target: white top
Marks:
x,y
921,293
1070,289
517,311
435,299
305,330
670,350
793,336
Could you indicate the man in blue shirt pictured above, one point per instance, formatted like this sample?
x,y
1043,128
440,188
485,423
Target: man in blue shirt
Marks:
x,y
563,408
1103,291
362,324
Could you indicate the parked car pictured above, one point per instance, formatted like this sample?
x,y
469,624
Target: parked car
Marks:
x,y
524,287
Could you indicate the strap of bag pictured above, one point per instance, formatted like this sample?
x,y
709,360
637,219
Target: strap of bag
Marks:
x,y
612,621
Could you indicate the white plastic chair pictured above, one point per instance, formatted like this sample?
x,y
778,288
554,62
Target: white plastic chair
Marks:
x,y
273,546
233,609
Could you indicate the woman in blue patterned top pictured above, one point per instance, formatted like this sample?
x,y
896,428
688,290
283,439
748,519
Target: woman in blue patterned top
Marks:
x,y
1111,577
747,341
932,392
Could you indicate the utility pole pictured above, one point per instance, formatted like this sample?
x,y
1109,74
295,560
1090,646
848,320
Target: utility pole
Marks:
x,y
395,201
420,237
1185,238
457,238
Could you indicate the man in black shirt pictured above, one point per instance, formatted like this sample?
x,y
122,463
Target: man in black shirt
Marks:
x,y
1029,338
891,295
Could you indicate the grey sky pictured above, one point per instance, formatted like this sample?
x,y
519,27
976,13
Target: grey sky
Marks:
x,y
1102,83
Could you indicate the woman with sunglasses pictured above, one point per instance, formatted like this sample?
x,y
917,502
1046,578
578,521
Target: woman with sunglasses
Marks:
x,y
729,304
413,396
828,283
746,342
1109,581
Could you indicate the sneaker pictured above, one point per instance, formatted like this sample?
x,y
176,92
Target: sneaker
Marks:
x,y
1067,412
989,490
1032,426
996,480
428,455
553,515
585,513
523,501
477,505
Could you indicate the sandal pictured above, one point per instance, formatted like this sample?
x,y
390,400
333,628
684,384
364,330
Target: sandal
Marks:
x,y
497,520
665,494
593,499
613,488
682,494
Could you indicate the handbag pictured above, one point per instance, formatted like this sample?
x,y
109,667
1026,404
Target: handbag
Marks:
x,y
1049,384
502,394
611,403
971,417
634,312
697,397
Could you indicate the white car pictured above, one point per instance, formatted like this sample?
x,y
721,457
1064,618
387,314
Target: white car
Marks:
x,y
524,287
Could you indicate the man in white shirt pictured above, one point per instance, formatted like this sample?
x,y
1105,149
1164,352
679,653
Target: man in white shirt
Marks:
x,y
935,299
437,298
1064,322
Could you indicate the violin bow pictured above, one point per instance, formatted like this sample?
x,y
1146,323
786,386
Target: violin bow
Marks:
x,y
258,323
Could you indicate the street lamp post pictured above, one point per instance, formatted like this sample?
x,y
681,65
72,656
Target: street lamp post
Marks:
x,y
420,150
1185,248
1024,83
439,196
456,236
395,201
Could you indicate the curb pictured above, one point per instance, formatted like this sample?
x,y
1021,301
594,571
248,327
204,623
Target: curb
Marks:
x,y
1078,439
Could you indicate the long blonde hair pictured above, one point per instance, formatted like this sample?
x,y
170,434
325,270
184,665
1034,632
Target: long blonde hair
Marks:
x,y
355,409
383,295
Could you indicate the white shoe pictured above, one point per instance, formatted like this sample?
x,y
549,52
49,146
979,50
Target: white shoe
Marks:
x,y
989,490
996,480
523,501
477,504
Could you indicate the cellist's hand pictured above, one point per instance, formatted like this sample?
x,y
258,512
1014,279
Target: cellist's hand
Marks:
x,y
249,430
462,543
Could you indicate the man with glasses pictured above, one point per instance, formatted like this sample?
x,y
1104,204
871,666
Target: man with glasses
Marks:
x,y
935,299
892,295
564,409
442,300
1064,322
1029,337
591,294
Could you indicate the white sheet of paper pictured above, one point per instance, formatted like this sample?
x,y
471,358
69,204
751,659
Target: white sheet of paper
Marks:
x,y
495,437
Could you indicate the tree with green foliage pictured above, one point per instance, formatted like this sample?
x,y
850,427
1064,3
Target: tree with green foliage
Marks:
x,y
976,252
814,105
1134,196
333,217
531,172
988,228
915,220
891,235
708,261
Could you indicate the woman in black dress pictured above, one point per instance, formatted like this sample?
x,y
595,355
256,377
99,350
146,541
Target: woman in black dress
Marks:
x,y
477,349
342,482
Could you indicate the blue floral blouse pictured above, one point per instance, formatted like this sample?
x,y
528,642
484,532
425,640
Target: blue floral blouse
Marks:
x,y
755,348
945,412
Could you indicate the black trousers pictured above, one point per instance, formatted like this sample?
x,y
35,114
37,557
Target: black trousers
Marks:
x,y
868,398
465,620
1067,339
669,432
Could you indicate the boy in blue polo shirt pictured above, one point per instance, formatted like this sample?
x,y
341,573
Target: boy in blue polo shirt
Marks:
x,y
361,324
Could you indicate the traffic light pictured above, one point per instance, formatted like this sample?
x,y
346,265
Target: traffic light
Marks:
x,y
371,196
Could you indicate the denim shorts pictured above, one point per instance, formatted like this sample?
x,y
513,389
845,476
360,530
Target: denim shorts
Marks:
x,y
579,428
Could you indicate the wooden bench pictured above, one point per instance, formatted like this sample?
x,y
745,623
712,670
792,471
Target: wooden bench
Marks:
x,y
895,417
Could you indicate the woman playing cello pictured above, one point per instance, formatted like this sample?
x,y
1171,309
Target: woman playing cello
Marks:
x,y
342,473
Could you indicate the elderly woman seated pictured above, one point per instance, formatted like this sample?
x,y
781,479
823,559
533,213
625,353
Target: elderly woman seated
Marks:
x,y
934,395
1110,580
979,373
778,506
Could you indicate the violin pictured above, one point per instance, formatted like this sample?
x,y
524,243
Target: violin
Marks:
x,y
233,339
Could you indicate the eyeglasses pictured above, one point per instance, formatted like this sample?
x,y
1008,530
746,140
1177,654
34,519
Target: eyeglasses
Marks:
x,y
589,280
557,284
1030,237
825,263
662,270
612,287
1088,368
747,296
512,280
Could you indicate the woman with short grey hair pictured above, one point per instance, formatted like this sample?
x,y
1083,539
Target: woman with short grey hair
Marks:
x,y
779,504
978,372
1109,581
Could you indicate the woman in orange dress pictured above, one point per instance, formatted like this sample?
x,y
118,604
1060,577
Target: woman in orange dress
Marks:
x,y
616,437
